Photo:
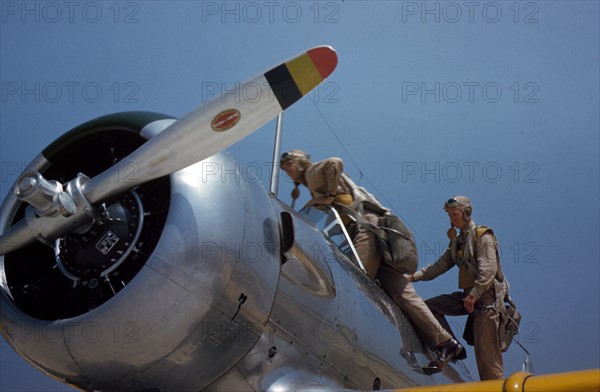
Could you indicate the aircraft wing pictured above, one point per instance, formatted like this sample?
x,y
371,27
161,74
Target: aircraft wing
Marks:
x,y
577,381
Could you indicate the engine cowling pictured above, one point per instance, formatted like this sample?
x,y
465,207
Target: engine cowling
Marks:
x,y
167,288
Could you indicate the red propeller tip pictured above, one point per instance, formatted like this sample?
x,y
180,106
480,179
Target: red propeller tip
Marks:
x,y
325,59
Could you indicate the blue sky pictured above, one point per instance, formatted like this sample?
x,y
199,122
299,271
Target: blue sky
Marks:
x,y
495,100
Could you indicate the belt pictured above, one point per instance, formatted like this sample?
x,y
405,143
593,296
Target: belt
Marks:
x,y
481,307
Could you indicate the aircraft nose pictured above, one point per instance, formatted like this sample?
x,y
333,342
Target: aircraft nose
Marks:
x,y
198,304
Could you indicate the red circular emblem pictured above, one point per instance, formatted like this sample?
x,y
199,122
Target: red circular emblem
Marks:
x,y
225,120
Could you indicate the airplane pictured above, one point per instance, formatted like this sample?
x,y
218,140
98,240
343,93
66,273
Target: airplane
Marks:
x,y
137,257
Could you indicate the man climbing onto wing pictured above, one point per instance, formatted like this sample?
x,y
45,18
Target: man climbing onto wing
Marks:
x,y
328,186
480,277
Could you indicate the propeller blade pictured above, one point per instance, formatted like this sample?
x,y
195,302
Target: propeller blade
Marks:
x,y
198,135
216,125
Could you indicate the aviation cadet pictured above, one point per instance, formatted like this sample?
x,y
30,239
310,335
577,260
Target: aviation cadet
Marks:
x,y
328,186
480,277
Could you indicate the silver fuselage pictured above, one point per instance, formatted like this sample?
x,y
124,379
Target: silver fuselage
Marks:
x,y
220,304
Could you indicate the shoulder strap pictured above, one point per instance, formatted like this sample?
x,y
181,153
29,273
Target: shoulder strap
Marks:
x,y
479,232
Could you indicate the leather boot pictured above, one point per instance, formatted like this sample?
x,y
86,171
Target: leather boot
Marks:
x,y
446,352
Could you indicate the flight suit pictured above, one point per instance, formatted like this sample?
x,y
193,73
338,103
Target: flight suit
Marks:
x,y
325,178
478,271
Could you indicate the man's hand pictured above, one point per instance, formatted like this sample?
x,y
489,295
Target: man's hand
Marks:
x,y
469,303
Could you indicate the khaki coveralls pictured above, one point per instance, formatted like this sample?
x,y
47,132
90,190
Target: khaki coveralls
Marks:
x,y
484,260
325,178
